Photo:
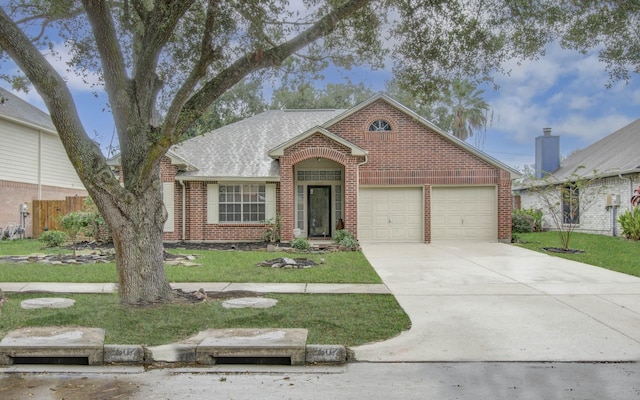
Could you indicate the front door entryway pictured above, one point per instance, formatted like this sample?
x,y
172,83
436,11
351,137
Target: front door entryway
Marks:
x,y
319,206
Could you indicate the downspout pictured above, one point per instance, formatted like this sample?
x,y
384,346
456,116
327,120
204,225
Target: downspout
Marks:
x,y
184,207
39,194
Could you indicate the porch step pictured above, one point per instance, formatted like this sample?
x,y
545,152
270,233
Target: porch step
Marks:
x,y
255,346
53,345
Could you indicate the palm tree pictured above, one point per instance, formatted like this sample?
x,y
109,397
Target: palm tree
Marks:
x,y
468,111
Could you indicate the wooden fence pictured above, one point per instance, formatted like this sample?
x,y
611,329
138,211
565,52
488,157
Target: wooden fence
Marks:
x,y
46,214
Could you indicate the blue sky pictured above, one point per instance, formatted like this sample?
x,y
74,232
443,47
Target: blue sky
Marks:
x,y
564,90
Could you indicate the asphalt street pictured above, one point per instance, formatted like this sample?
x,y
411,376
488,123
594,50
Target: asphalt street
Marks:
x,y
442,381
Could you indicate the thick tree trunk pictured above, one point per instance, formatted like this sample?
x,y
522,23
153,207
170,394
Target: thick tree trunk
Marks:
x,y
139,260
137,235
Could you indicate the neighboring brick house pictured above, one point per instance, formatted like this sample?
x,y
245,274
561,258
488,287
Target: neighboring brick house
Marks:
x,y
34,163
615,163
378,169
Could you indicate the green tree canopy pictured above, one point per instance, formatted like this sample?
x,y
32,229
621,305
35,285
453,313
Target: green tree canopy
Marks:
x,y
332,96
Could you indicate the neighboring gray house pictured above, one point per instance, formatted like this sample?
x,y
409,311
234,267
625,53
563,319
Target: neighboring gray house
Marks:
x,y
616,162
35,166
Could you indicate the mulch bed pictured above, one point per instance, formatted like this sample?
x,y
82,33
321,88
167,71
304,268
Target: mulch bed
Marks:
x,y
561,250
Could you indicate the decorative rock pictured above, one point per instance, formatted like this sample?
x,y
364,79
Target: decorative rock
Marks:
x,y
271,248
286,262
46,302
249,302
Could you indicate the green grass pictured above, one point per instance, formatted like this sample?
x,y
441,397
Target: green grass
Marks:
x,y
217,266
25,247
331,319
614,253
348,319
240,266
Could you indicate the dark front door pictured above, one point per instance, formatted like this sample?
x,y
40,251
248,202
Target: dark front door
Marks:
x,y
319,211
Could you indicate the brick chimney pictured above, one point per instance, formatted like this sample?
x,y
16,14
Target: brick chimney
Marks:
x,y
547,153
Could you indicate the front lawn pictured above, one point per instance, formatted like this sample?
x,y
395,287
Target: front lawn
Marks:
x,y
614,253
217,266
347,319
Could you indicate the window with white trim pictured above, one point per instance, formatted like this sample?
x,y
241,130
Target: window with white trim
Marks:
x,y
241,203
379,126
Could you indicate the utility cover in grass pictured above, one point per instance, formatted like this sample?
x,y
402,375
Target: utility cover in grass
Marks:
x,y
249,302
46,302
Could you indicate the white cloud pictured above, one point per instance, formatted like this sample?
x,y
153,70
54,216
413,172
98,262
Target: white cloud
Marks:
x,y
581,102
564,90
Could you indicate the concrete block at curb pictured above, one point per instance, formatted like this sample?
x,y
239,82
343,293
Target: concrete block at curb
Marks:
x,y
123,354
174,352
326,354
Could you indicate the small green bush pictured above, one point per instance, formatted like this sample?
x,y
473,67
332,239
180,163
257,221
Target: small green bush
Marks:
x,y
301,244
53,238
521,223
345,238
630,222
526,216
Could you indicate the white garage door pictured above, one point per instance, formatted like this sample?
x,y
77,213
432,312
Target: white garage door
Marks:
x,y
390,214
464,213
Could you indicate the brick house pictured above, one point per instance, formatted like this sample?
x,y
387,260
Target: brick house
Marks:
x,y
378,169
614,164
35,165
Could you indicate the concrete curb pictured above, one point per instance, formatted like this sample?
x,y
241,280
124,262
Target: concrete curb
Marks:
x,y
326,354
182,354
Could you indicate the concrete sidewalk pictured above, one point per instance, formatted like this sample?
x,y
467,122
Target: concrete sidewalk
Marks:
x,y
497,302
317,288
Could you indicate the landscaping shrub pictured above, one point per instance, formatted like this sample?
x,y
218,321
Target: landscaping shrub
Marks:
x,y
345,238
521,222
300,244
53,238
535,216
274,228
630,222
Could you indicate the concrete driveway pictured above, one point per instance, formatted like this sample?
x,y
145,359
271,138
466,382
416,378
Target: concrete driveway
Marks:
x,y
497,302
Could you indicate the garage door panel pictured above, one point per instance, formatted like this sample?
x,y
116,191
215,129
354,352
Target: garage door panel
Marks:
x,y
391,214
464,213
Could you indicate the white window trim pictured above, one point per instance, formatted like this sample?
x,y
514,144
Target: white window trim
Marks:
x,y
213,203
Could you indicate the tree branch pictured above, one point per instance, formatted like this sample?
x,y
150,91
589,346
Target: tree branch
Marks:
x,y
207,56
159,25
85,155
260,59
113,65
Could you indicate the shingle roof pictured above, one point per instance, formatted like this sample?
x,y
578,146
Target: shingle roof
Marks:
x,y
240,150
19,110
616,153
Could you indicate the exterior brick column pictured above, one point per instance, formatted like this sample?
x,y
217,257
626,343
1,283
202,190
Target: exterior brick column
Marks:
x,y
287,199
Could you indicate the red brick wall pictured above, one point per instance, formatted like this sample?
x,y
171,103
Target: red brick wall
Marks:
x,y
318,145
196,227
410,154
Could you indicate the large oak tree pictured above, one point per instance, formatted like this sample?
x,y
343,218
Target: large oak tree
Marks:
x,y
164,62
